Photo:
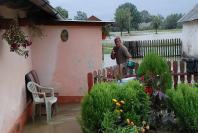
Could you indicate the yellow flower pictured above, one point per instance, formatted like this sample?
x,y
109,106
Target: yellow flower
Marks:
x,y
122,102
128,121
121,110
114,100
118,104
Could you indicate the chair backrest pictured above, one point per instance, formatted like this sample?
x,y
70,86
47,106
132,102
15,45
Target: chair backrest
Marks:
x,y
32,76
35,76
33,89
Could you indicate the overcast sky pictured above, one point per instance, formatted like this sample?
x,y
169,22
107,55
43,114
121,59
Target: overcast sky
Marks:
x,y
105,9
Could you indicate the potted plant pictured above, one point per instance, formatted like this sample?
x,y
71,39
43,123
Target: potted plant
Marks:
x,y
105,32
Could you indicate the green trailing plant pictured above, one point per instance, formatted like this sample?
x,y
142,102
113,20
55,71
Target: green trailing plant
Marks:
x,y
98,112
34,30
184,101
17,40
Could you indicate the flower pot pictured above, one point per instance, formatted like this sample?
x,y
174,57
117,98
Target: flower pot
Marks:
x,y
148,90
104,37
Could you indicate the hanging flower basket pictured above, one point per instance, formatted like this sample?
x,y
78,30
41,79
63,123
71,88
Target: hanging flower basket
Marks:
x,y
17,40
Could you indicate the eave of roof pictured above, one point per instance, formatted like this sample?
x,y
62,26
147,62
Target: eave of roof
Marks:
x,y
45,6
75,23
190,16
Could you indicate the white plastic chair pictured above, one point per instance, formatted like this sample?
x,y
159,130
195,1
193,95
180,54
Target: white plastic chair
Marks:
x,y
40,98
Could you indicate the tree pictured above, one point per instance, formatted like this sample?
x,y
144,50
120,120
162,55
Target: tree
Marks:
x,y
145,16
156,23
135,15
123,19
171,21
80,16
62,11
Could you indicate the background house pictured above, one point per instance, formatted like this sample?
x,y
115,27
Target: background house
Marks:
x,y
61,64
190,32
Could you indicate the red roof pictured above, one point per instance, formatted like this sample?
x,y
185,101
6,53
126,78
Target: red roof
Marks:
x,y
93,18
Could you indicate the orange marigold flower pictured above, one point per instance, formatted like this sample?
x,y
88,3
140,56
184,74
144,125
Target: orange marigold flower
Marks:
x,y
118,104
142,130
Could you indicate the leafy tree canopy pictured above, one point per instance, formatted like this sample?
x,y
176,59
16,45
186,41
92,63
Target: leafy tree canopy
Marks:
x,y
80,16
62,11
135,15
145,16
156,22
123,18
171,21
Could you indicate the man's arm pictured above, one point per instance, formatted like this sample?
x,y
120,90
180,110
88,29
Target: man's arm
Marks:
x,y
126,53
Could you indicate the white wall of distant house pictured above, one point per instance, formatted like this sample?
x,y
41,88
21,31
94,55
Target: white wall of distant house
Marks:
x,y
190,38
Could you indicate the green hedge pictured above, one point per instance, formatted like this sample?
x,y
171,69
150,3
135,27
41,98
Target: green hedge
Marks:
x,y
184,101
98,103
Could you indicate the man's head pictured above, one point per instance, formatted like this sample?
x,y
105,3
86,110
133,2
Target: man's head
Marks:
x,y
117,41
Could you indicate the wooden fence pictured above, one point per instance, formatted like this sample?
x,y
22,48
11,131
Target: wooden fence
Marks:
x,y
177,68
165,48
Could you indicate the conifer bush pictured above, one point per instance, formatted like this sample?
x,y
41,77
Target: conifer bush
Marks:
x,y
184,101
155,71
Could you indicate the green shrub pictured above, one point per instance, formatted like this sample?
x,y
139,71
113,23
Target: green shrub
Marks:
x,y
156,72
97,105
184,101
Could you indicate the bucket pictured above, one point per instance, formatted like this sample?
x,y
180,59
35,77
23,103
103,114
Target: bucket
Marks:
x,y
131,64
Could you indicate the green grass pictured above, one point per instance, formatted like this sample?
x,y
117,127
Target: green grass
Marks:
x,y
107,47
137,33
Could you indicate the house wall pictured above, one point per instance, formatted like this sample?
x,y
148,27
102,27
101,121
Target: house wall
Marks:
x,y
190,38
12,80
64,65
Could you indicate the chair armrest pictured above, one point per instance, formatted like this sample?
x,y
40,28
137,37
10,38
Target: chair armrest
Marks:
x,y
39,93
45,88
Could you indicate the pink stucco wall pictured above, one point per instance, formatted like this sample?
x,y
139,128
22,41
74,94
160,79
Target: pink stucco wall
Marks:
x,y
12,85
64,65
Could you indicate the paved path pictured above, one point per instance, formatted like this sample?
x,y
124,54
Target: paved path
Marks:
x,y
65,121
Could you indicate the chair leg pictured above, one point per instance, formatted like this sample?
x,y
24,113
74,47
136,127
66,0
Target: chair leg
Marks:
x,y
56,107
48,111
33,111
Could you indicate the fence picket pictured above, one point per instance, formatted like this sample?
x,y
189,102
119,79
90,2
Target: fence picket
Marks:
x,y
109,74
164,47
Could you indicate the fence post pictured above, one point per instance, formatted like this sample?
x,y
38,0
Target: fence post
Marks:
x,y
175,70
95,76
182,77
